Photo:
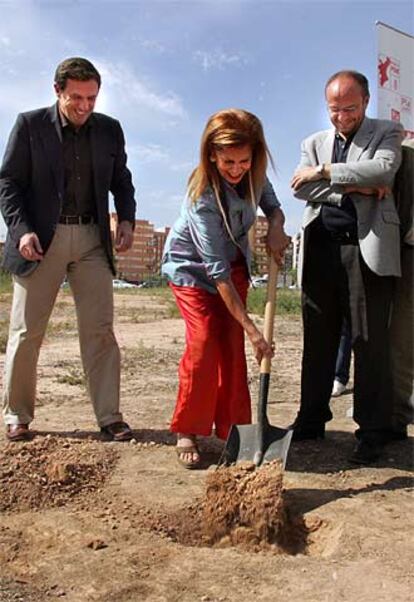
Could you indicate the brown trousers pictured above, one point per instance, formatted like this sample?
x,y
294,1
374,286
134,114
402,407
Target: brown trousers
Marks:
x,y
76,252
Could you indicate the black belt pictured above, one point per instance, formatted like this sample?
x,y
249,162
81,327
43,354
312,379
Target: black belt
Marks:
x,y
344,238
71,220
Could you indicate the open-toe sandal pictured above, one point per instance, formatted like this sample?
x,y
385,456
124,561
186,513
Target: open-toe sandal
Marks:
x,y
188,449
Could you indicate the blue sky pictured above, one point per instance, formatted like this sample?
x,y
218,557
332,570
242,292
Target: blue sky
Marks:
x,y
167,65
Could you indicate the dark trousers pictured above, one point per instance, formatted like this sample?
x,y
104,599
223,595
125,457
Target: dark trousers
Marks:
x,y
343,360
402,343
337,284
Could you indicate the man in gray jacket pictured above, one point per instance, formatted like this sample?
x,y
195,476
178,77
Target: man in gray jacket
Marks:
x,y
350,256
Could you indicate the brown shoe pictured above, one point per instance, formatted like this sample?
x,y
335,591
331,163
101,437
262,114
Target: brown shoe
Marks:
x,y
117,431
18,432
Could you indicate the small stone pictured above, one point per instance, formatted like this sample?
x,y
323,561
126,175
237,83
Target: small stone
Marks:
x,y
97,544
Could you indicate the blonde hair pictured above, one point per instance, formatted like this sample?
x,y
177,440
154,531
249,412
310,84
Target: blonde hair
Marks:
x,y
227,128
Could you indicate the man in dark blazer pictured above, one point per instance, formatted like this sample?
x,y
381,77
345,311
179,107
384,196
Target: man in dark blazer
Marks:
x,y
402,322
59,165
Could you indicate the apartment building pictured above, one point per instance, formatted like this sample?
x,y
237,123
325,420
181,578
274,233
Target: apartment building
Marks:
x,y
143,260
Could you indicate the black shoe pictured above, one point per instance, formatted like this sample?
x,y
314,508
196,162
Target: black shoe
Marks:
x,y
304,433
396,435
387,436
366,452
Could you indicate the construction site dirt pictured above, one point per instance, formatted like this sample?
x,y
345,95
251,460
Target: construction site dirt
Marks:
x,y
85,520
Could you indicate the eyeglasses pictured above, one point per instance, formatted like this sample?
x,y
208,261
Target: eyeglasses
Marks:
x,y
346,110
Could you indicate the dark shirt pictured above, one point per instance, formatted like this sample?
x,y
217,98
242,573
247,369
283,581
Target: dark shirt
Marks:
x,y
79,194
341,219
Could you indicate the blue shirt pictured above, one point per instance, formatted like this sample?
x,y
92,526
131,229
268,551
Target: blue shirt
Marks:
x,y
198,250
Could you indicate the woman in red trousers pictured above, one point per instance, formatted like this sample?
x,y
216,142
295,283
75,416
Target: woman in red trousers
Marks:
x,y
207,259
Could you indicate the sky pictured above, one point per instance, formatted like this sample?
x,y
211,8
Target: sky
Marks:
x,y
167,65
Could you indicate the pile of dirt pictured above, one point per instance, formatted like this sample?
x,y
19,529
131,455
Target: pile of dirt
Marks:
x,y
243,507
50,472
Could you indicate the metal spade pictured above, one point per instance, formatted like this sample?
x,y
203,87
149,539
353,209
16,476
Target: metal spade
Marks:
x,y
260,442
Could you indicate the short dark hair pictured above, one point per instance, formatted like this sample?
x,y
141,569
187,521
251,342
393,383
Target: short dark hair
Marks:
x,y
78,69
360,79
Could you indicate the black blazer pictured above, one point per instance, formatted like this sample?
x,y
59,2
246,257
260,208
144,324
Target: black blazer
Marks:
x,y
32,181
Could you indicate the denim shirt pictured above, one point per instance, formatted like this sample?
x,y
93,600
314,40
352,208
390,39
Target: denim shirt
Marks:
x,y
198,250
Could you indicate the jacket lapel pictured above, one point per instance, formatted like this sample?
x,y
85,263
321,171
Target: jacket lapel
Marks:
x,y
361,140
326,147
51,137
97,144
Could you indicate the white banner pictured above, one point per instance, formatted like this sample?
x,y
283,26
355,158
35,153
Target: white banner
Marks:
x,y
396,76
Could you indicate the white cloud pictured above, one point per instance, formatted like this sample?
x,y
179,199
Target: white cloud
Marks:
x,y
185,166
218,59
130,89
153,46
144,154
148,153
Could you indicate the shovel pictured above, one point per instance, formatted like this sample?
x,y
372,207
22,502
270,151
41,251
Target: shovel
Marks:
x,y
260,442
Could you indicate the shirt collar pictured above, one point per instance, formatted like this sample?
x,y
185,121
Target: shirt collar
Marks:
x,y
65,123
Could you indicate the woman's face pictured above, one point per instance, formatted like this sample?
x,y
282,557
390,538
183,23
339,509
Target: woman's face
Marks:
x,y
233,162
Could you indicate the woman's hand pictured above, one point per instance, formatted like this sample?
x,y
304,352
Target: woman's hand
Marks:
x,y
261,347
235,306
277,240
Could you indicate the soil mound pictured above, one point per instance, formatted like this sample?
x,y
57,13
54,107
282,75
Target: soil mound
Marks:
x,y
50,472
243,507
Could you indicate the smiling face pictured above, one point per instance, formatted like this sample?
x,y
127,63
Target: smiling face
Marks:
x,y
77,100
346,104
233,162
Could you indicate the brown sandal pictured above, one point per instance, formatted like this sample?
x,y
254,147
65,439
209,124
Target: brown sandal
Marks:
x,y
188,449
18,432
117,431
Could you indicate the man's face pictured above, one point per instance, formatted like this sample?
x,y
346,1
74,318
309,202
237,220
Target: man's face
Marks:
x,y
77,100
346,105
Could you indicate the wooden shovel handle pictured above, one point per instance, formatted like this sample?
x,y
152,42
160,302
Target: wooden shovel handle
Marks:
x,y
269,316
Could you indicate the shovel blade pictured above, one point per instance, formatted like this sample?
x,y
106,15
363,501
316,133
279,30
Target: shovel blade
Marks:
x,y
242,444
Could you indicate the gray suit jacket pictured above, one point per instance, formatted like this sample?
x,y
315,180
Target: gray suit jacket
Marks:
x,y
373,160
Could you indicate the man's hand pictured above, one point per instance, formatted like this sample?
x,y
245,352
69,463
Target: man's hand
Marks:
x,y
379,191
124,236
30,248
306,174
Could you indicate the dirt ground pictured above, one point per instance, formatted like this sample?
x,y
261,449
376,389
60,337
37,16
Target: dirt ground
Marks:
x,y
86,520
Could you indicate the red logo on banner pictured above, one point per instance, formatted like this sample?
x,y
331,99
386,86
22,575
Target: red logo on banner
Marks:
x,y
395,115
383,69
389,73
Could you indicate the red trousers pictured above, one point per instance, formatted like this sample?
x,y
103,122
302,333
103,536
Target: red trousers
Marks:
x,y
212,373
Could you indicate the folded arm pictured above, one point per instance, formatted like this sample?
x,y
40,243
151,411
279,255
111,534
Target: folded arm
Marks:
x,y
372,176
